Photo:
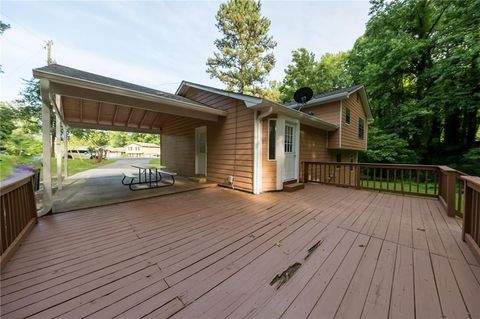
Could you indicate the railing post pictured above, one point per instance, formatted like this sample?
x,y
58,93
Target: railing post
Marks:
x,y
448,189
305,172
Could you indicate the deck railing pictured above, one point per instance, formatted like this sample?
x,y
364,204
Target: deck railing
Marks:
x,y
471,216
441,182
18,212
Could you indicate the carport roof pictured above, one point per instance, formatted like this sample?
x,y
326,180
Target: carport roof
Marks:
x,y
61,70
87,100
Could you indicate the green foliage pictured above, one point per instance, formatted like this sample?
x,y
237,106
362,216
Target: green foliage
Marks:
x,y
23,145
7,122
387,148
469,162
244,57
419,61
30,107
328,73
119,139
145,138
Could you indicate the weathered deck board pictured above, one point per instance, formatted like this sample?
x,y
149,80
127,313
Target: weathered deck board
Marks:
x,y
212,253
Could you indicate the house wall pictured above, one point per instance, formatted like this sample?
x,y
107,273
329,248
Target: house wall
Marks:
x,y
313,146
350,138
229,141
269,167
329,112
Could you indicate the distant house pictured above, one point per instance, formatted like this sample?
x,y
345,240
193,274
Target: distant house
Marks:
x,y
113,152
139,149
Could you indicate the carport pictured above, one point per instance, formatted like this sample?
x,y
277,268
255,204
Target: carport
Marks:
x,y
81,99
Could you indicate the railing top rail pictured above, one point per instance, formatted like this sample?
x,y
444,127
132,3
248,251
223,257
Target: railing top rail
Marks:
x,y
420,166
472,181
15,182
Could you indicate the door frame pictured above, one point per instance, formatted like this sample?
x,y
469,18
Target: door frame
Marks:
x,y
280,149
198,129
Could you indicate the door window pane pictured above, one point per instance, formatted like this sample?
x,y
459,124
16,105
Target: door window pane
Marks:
x,y
288,139
271,139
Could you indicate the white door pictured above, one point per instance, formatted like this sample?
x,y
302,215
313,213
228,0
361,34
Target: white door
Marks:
x,y
290,152
201,150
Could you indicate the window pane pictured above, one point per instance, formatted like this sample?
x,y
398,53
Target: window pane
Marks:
x,y
347,115
360,128
271,139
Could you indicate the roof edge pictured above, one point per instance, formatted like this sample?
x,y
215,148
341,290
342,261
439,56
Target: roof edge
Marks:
x,y
249,100
65,79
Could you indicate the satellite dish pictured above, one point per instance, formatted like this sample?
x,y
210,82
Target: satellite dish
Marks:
x,y
303,95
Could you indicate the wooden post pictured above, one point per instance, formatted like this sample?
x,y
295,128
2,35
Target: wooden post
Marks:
x,y
47,160
448,188
65,151
58,151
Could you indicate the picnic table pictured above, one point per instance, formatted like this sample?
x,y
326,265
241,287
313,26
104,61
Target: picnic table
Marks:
x,y
148,174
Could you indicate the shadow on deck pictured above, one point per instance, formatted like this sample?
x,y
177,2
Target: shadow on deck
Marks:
x,y
214,253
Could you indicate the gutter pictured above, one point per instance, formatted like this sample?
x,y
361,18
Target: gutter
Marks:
x,y
63,79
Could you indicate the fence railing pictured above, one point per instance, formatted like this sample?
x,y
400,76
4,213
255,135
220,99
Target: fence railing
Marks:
x,y
18,212
442,182
471,216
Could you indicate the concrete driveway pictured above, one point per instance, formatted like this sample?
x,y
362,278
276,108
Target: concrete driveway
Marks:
x,y
102,186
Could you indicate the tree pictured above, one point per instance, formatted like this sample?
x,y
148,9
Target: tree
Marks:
x,y
419,60
3,28
327,74
99,139
7,122
244,57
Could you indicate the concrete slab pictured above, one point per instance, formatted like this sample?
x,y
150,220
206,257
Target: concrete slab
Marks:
x,y
102,186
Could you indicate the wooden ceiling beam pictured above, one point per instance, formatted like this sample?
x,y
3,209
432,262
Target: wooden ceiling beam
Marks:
x,y
154,120
143,118
115,114
112,128
80,105
99,111
129,117
135,103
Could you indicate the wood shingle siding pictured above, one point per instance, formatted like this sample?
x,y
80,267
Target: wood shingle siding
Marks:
x,y
229,142
350,138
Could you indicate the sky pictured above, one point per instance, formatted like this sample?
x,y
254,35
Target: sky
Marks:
x,y
158,43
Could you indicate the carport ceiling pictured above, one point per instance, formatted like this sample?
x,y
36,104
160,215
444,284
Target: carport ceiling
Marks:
x,y
87,100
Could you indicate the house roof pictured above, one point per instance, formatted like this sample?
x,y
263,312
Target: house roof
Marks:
x,y
249,99
261,103
96,78
337,95
145,144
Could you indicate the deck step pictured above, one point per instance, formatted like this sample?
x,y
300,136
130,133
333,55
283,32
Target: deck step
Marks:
x,y
292,187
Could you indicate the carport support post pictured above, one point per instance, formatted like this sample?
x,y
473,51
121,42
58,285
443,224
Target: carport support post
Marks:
x,y
47,160
58,150
65,151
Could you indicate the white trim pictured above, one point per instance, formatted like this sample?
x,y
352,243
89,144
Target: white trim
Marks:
x,y
280,151
340,125
268,139
206,149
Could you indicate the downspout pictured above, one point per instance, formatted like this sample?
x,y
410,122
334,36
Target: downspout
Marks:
x,y
257,187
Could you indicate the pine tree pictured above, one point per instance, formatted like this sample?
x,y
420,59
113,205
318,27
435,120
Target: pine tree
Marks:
x,y
244,57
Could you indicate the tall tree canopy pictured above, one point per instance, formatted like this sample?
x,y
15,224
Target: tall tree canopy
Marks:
x,y
326,74
419,60
3,28
244,57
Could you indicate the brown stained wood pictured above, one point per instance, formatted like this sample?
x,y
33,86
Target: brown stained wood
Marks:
x,y
427,302
114,118
130,113
402,304
450,296
213,253
142,119
99,111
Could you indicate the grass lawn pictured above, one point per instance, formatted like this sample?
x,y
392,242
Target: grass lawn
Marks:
x,y
154,161
74,165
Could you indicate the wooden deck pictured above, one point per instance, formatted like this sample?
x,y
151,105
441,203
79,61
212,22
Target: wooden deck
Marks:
x,y
212,253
